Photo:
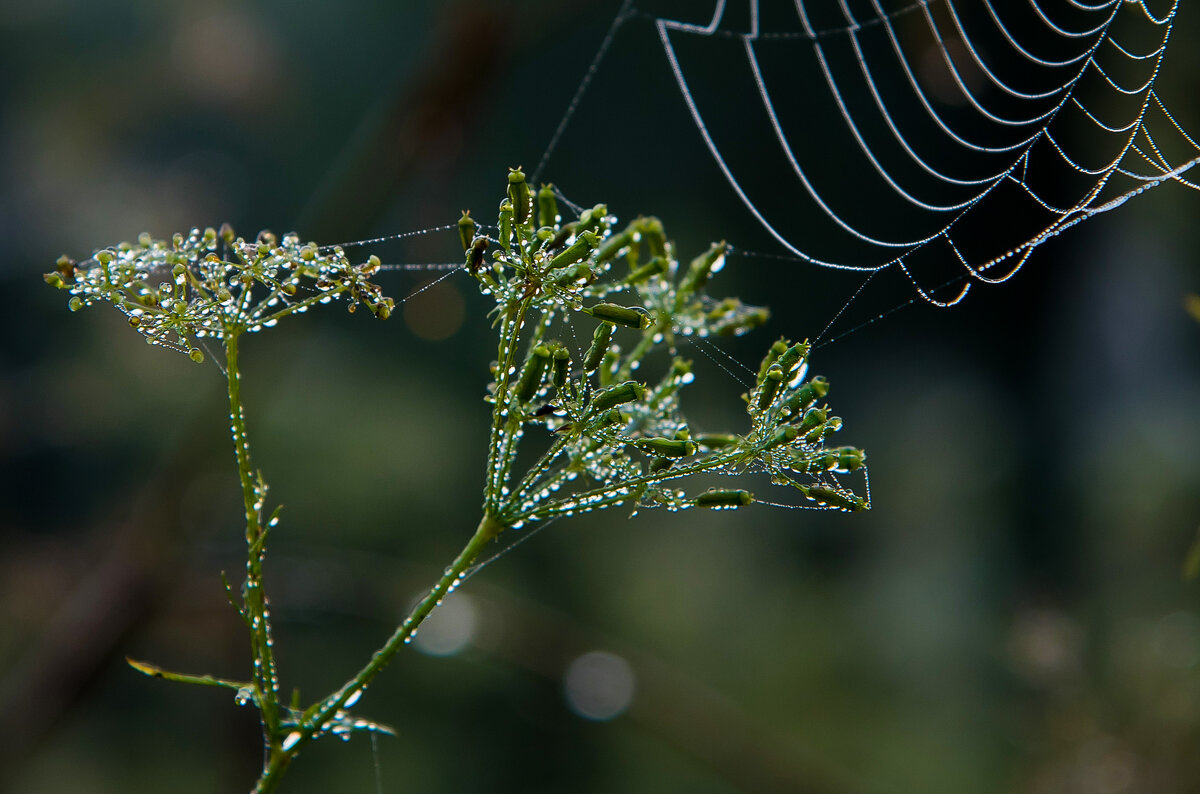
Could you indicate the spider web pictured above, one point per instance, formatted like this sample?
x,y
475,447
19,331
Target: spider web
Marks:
x,y
945,138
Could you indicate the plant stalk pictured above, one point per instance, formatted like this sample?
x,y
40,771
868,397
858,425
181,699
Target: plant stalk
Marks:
x,y
266,678
487,530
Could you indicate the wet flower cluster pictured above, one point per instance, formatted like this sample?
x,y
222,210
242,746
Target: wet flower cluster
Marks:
x,y
212,283
615,438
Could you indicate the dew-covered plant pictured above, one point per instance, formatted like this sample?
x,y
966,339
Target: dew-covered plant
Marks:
x,y
590,322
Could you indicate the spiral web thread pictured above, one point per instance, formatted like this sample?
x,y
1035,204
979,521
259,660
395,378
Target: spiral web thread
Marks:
x,y
956,117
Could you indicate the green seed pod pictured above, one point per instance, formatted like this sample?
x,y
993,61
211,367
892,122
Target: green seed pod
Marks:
x,y
518,194
742,321
833,497
614,245
715,498
612,416
104,257
814,418
829,427
54,280
792,356
466,230
717,440
651,230
601,339
770,386
777,350
227,233
608,365
667,447
75,304
841,459
475,254
564,234
197,355
620,394
590,220
569,275
702,268
655,267
783,435
803,398
532,374
547,206
578,250
562,367
619,315
658,465
505,223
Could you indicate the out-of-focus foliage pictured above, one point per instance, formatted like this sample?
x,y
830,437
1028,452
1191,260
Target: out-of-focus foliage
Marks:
x,y
1009,617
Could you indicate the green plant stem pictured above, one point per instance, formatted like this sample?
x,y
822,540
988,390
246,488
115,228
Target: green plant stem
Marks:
x,y
499,458
266,678
313,724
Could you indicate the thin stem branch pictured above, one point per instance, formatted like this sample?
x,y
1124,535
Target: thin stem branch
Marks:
x,y
315,723
266,678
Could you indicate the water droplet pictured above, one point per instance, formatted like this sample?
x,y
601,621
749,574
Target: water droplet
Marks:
x,y
290,741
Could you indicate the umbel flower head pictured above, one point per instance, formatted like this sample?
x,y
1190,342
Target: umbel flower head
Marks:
x,y
212,284
581,307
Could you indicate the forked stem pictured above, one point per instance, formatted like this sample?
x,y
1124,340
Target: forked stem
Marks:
x,y
314,723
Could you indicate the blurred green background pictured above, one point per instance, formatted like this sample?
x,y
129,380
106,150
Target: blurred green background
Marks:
x,y
1010,617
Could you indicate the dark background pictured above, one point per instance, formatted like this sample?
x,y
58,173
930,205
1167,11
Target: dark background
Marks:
x,y
1010,617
